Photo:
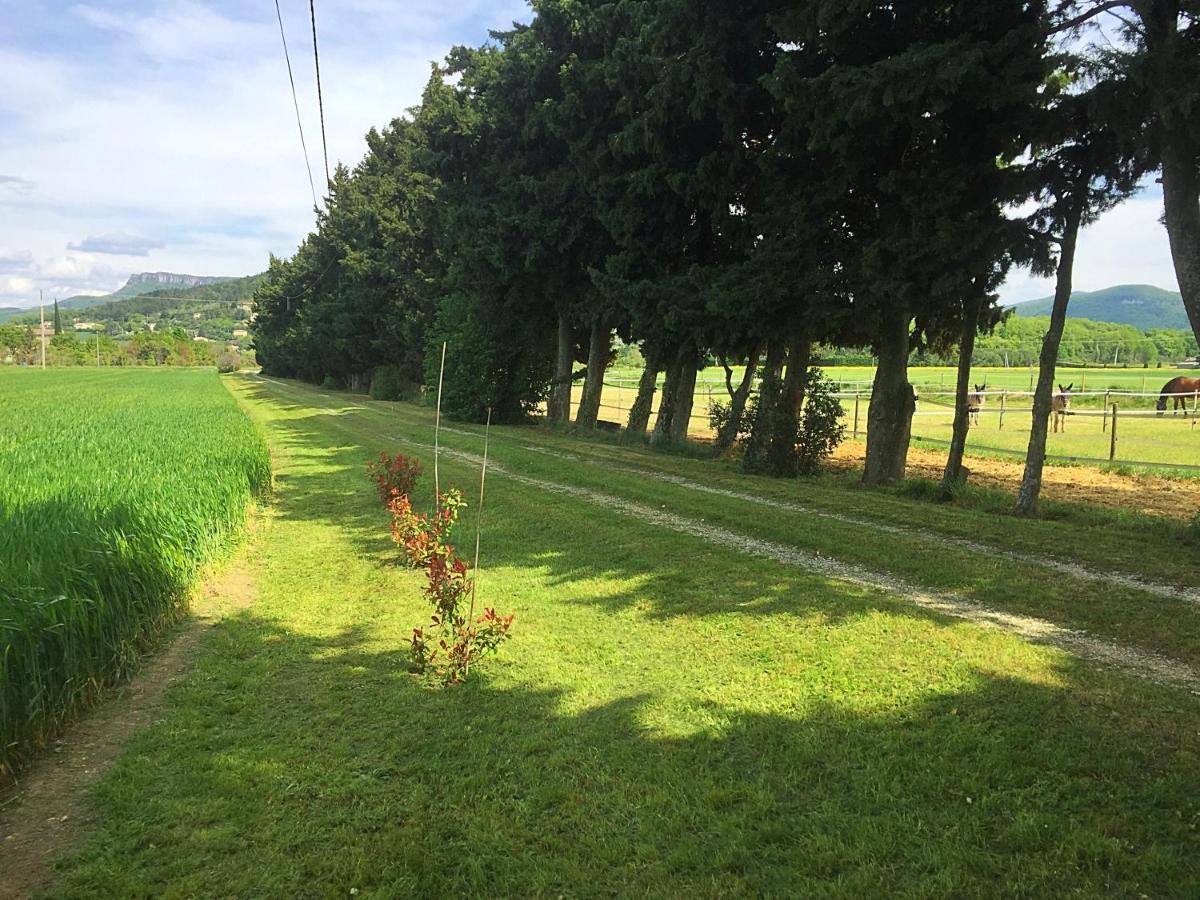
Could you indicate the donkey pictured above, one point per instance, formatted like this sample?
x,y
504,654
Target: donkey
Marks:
x,y
974,401
1060,407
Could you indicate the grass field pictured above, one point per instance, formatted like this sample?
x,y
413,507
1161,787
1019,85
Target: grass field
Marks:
x,y
1142,437
116,488
685,709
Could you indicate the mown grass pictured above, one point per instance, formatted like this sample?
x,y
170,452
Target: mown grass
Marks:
x,y
670,719
117,487
1104,540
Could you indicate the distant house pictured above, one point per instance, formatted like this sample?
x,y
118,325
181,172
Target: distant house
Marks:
x,y
43,331
202,339
195,315
240,332
88,326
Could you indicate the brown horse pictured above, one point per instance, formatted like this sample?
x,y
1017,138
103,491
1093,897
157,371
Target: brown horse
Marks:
x,y
1060,407
1178,389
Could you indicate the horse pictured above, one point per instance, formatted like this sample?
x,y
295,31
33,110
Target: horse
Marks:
x,y
1060,406
1178,389
974,402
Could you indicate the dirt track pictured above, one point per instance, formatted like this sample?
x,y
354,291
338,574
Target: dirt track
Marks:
x,y
1176,498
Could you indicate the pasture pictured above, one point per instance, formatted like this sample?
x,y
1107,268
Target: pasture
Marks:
x,y
718,685
117,488
1171,441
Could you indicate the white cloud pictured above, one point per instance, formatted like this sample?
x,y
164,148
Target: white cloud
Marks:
x,y
117,245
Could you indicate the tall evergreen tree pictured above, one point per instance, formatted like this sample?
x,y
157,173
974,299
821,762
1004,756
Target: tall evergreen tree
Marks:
x,y
908,106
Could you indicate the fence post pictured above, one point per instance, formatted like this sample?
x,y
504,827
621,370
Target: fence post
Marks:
x,y
1104,418
1112,444
1003,394
856,414
1195,395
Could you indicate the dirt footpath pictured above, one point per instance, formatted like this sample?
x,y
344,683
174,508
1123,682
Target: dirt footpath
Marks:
x,y
45,814
1151,494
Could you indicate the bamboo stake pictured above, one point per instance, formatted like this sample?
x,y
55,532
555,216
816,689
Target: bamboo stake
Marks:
x,y
437,427
479,513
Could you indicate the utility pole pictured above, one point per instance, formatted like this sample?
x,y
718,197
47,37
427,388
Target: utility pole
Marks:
x,y
42,332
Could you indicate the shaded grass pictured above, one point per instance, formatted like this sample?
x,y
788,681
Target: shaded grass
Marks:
x,y
670,719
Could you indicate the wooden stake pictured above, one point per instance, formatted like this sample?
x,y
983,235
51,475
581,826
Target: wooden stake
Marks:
x,y
1112,445
1104,418
1003,395
856,414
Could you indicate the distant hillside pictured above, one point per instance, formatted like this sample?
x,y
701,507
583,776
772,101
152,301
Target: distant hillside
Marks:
x,y
224,290
216,311
145,283
1139,305
157,283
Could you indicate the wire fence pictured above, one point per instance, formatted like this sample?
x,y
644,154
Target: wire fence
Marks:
x,y
1099,427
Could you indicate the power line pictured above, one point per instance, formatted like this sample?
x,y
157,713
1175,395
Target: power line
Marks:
x,y
296,103
312,14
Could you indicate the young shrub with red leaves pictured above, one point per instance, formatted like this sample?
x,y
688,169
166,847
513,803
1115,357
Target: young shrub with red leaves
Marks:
x,y
452,642
424,536
394,476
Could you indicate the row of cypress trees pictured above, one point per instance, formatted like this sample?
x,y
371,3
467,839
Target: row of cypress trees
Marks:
x,y
735,181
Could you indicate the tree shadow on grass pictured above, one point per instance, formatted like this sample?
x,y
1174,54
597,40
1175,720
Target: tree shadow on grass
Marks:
x,y
566,542
557,539
294,765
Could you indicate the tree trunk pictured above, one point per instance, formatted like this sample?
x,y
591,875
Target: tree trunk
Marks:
x,y
737,404
799,359
762,428
666,404
685,397
1035,456
786,417
889,417
593,388
639,413
559,408
1181,199
972,306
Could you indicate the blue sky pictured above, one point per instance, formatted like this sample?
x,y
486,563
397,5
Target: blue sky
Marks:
x,y
159,135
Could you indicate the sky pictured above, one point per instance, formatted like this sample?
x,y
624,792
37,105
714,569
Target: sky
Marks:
x,y
159,135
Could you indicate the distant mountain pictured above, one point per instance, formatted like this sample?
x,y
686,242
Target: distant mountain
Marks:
x,y
137,285
1140,305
